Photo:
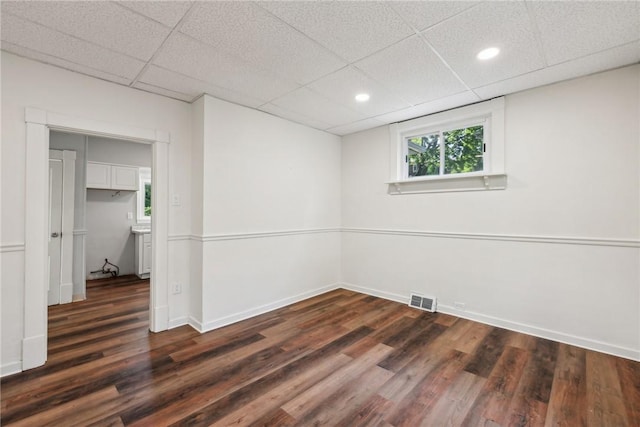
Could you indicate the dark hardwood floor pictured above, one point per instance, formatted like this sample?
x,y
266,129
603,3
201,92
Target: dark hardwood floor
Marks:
x,y
339,359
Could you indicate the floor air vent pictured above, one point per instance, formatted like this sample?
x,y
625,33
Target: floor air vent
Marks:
x,y
423,303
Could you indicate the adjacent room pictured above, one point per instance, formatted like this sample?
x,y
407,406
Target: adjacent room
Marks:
x,y
320,213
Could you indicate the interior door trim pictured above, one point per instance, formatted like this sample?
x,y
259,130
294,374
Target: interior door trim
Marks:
x,y
38,124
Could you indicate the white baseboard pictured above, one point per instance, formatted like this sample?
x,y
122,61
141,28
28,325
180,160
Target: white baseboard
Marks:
x,y
179,321
66,293
160,319
10,369
79,297
236,317
590,344
587,343
376,293
196,324
34,351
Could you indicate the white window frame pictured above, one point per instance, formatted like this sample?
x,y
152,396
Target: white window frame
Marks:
x,y
490,114
144,177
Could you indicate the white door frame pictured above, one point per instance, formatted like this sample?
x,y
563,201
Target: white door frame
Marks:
x,y
68,159
38,123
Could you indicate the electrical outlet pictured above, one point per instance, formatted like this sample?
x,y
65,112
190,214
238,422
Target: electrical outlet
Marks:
x,y
129,215
459,305
177,288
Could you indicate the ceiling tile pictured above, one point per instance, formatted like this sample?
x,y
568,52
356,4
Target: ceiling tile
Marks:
x,y
202,62
572,29
259,54
62,63
293,116
617,57
99,22
249,32
308,103
505,25
352,29
342,87
438,105
168,13
411,70
173,81
54,44
355,127
424,14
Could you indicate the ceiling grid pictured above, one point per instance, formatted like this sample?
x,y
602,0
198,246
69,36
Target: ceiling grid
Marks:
x,y
306,61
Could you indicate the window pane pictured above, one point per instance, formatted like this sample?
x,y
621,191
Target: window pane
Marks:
x,y
424,155
463,150
147,199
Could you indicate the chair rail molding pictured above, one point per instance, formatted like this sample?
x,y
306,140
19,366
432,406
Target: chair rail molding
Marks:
x,y
11,247
262,234
589,241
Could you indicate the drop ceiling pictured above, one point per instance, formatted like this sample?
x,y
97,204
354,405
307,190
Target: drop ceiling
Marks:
x,y
306,61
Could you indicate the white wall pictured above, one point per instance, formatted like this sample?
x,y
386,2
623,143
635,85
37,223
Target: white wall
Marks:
x,y
109,231
270,210
572,159
108,150
27,83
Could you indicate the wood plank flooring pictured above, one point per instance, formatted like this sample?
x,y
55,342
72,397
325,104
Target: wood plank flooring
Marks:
x,y
339,359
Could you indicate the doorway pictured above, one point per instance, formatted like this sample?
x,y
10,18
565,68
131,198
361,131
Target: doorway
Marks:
x,y
105,214
115,210
38,125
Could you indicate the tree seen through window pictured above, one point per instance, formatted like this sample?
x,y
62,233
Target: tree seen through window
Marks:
x,y
462,152
147,199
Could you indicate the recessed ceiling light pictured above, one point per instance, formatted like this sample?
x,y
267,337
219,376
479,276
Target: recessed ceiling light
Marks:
x,y
362,97
488,53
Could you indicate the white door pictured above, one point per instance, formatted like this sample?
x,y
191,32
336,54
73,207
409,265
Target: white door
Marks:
x,y
55,230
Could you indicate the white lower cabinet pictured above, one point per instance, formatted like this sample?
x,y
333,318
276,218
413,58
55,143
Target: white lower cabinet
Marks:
x,y
143,255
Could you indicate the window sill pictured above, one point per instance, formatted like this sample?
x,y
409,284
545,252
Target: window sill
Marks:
x,y
452,183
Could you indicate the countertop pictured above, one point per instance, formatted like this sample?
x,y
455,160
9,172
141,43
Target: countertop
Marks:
x,y
141,229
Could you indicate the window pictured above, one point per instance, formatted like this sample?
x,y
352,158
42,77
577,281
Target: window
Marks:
x,y
456,150
444,152
147,199
144,195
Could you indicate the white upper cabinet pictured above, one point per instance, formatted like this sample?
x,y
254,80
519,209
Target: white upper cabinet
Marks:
x,y
112,177
98,175
124,178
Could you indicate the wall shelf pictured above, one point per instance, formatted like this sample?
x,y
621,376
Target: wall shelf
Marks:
x,y
451,183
